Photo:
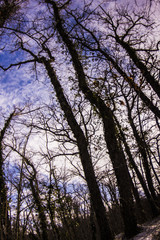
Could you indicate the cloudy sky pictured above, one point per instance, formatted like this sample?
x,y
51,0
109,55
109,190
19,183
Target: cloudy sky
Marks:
x,y
19,86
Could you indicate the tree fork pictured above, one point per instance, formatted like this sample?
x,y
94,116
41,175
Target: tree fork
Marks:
x,y
86,161
116,153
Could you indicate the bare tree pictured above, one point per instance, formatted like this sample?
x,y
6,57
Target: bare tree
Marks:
x,y
115,151
4,215
116,74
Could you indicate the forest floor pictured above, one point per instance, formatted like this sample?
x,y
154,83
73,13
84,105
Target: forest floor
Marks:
x,y
150,231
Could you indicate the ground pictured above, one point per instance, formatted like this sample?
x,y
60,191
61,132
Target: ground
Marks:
x,y
150,231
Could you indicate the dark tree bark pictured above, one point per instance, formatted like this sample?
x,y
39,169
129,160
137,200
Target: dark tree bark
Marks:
x,y
82,144
142,150
55,230
114,144
115,150
140,65
98,49
92,222
4,217
36,196
39,205
138,173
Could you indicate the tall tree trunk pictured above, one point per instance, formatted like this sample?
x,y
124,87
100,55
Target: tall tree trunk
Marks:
x,y
140,65
19,202
138,173
141,213
141,147
82,144
122,175
115,150
36,196
40,208
4,217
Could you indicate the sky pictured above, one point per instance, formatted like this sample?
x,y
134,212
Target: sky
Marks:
x,y
20,85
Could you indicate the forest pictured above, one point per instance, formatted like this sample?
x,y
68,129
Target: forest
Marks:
x,y
80,149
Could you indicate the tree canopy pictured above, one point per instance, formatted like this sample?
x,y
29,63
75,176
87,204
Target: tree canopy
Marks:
x,y
81,149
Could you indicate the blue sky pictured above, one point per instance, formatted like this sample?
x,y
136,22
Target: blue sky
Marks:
x,y
20,85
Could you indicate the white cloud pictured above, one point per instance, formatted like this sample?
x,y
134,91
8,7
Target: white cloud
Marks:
x,y
19,86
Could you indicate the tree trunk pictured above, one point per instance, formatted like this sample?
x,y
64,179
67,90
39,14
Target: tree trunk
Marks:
x,y
115,151
141,147
4,218
139,175
40,209
95,194
140,65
